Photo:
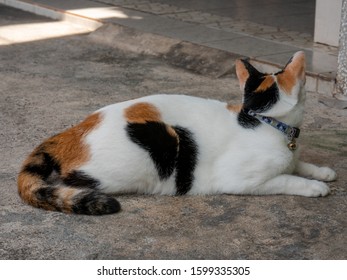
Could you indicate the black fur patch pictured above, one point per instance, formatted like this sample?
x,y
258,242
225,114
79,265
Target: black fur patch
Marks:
x,y
256,101
260,102
186,160
246,120
95,203
161,145
43,169
47,196
80,179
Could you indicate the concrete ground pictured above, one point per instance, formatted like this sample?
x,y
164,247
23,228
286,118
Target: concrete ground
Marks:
x,y
48,85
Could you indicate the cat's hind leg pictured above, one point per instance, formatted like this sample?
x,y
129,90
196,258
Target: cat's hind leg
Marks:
x,y
309,170
293,185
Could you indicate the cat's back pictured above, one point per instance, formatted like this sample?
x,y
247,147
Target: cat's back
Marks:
x,y
195,113
169,106
208,120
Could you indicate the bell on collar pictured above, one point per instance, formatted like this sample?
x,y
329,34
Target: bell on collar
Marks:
x,y
292,145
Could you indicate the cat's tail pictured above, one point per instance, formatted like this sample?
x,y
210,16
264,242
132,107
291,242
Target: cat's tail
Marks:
x,y
80,199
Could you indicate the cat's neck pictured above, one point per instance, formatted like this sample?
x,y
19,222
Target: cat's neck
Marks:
x,y
295,115
293,118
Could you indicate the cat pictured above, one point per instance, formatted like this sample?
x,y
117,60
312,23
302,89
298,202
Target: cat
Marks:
x,y
178,144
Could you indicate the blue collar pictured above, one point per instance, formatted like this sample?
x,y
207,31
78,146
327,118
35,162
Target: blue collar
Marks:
x,y
287,130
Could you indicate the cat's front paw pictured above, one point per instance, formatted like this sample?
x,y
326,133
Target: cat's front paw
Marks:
x,y
327,174
316,188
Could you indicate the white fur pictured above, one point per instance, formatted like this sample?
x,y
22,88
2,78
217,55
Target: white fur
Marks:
x,y
231,159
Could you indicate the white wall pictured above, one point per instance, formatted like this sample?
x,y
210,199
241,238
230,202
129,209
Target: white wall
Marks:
x,y
327,22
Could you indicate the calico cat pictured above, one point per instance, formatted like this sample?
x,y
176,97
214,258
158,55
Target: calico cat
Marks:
x,y
178,144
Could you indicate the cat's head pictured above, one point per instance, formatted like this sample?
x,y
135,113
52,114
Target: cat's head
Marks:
x,y
273,94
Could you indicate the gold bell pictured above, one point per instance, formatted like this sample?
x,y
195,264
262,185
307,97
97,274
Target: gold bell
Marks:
x,y
292,145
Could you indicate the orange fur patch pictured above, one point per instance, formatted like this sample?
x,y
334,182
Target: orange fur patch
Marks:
x,y
234,108
293,72
141,113
241,72
286,81
27,184
67,194
297,66
268,82
68,148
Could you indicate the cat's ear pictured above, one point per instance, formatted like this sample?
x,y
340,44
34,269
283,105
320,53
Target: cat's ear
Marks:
x,y
243,71
293,73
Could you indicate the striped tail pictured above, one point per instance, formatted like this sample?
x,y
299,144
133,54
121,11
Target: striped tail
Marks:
x,y
80,197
